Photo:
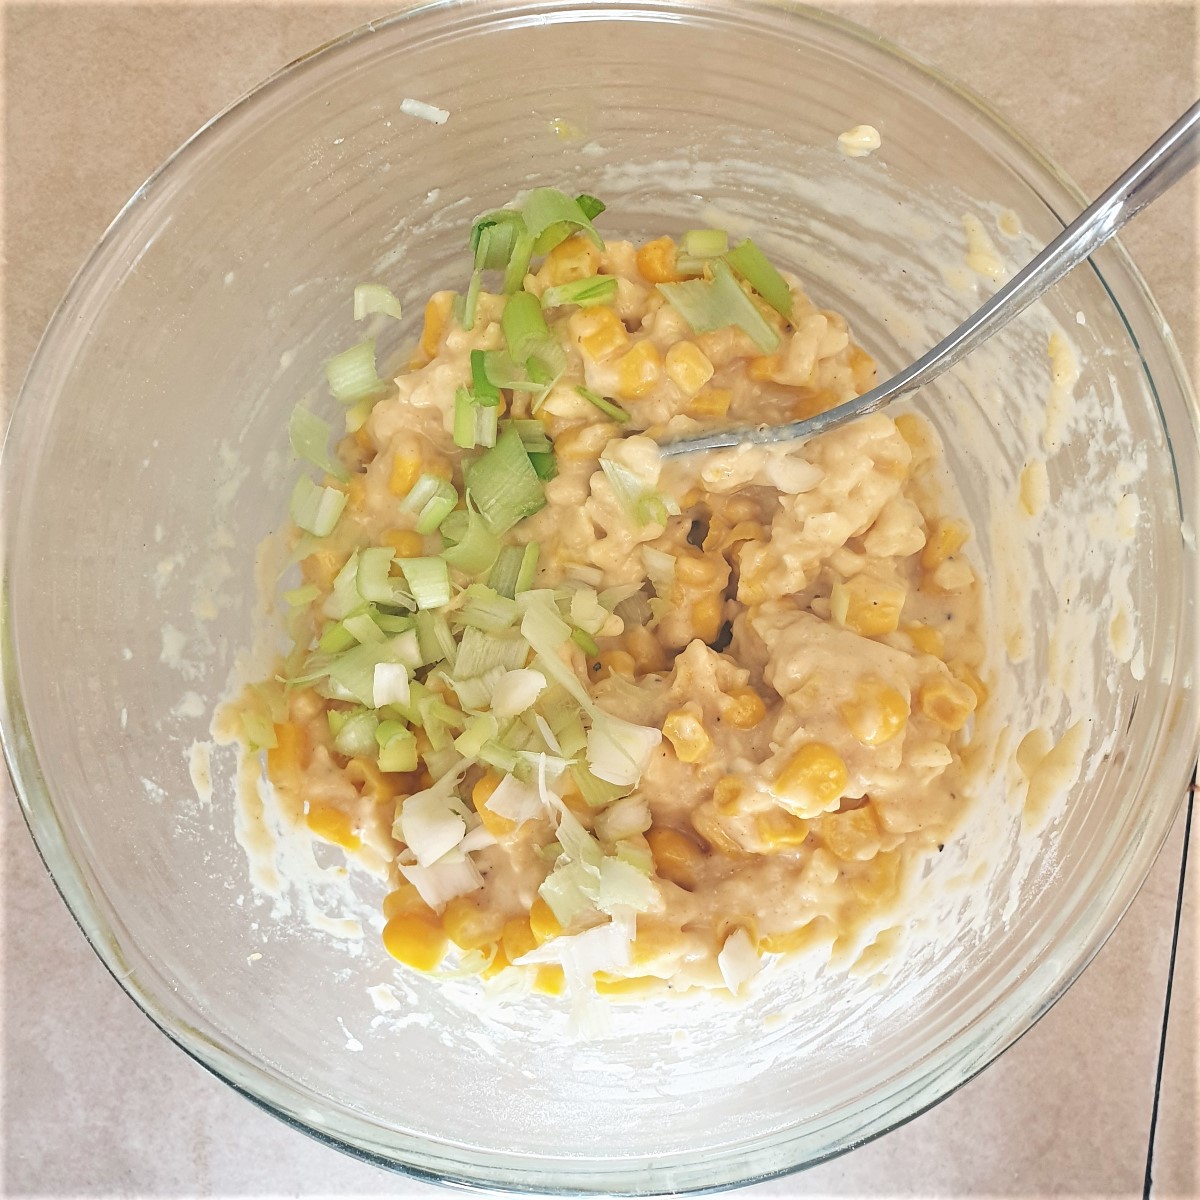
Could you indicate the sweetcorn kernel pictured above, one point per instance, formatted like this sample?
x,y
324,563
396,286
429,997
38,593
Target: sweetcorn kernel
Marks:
x,y
656,261
498,826
638,370
543,922
744,708
333,825
765,367
926,639
688,367
712,402
356,493
404,899
287,756
867,606
648,654
880,879
876,713
676,857
575,258
706,615
415,939
686,733
949,702
517,939
550,981
700,570
437,313
853,836
813,780
946,539
616,662
406,470
365,774
964,673
598,331
707,824
469,926
727,796
321,567
405,543
780,830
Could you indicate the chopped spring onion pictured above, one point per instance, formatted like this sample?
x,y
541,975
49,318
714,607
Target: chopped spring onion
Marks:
x,y
738,960
551,217
428,580
528,570
503,579
483,608
444,880
575,840
597,793
435,640
474,422
391,623
642,503
397,747
596,289
352,375
622,885
623,818
545,466
477,549
518,263
480,652
486,392
619,751
518,802
637,855
353,672
704,243
565,891
361,626
432,822
525,329
433,500
660,567
309,436
591,207
391,684
299,597
335,638
499,757
516,691
717,303
504,485
533,436
608,407
373,581
585,642
587,613
375,298
566,725
479,731
755,268
316,509
259,731
471,299
493,237
424,111
475,694
357,734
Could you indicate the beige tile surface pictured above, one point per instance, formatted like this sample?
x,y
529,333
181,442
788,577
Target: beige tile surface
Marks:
x,y
96,1102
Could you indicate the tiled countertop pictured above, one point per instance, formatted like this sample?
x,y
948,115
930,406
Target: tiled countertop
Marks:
x,y
96,1102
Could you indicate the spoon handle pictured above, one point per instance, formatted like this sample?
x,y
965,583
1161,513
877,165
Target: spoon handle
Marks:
x,y
1164,164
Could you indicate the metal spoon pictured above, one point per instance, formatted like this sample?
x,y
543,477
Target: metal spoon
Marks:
x,y
1164,164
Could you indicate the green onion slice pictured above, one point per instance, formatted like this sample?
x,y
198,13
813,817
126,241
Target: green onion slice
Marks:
x,y
609,407
717,303
316,509
428,580
552,216
309,436
591,207
596,289
477,549
503,483
754,267
375,298
352,375
704,243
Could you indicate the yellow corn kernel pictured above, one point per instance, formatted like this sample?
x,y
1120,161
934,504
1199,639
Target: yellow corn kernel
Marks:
x,y
876,713
744,708
688,367
764,368
332,825
813,781
638,370
437,313
727,796
926,639
806,937
946,539
685,731
712,402
619,985
363,439
949,702
287,756
706,823
404,899
780,830
370,780
656,261
406,470
913,430
516,939
706,615
470,927
499,963
867,606
654,942
617,662
415,939
853,836
497,825
356,493
962,672
543,922
648,656
550,981
598,331
321,567
699,570
879,880
576,258
676,857
405,543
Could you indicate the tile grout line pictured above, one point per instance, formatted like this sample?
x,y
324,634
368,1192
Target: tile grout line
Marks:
x,y
1148,1183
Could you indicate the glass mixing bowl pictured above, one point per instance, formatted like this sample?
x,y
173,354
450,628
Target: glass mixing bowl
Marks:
x,y
147,458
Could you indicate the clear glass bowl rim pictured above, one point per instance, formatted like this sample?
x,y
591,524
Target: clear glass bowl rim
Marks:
x,y
37,805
